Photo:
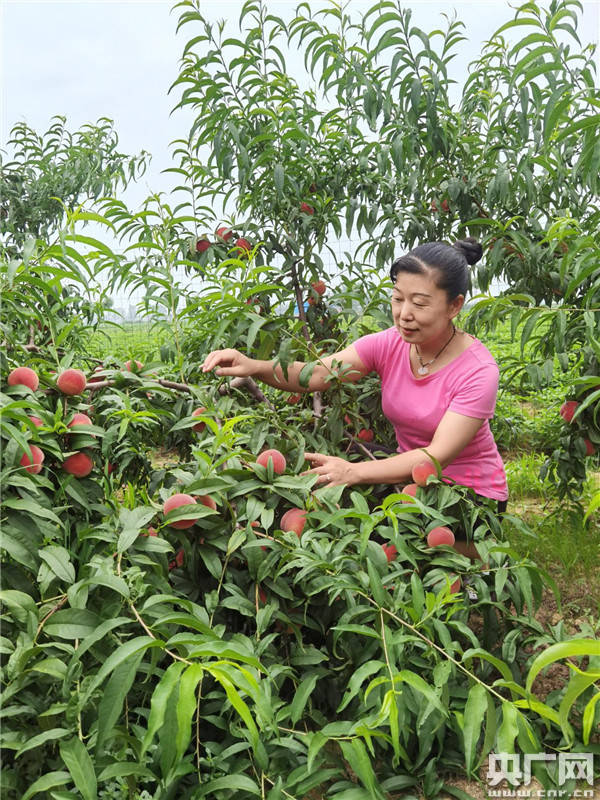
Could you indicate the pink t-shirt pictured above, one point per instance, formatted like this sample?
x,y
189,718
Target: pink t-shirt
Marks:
x,y
467,385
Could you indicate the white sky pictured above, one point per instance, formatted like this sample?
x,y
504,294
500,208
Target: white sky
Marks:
x,y
86,59
117,58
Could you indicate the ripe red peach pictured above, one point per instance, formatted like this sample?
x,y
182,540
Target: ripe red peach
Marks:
x,y
71,381
390,551
276,458
567,410
34,464
319,287
439,536
24,376
206,500
294,520
129,366
243,244
366,435
175,501
79,464
224,233
420,472
79,419
201,425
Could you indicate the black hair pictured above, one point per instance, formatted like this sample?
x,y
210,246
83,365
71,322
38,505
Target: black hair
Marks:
x,y
449,262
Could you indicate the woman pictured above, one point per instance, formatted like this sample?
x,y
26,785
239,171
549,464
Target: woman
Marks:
x,y
439,384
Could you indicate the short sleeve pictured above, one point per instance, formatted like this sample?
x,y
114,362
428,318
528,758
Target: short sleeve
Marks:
x,y
371,350
477,394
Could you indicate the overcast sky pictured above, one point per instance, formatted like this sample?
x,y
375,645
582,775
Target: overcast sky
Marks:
x,y
117,58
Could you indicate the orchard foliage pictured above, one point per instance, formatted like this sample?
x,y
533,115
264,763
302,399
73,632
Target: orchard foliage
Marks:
x,y
144,659
380,152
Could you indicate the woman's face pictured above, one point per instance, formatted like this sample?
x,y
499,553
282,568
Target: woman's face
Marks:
x,y
421,311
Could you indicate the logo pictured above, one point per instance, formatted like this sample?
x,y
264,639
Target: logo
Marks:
x,y
571,766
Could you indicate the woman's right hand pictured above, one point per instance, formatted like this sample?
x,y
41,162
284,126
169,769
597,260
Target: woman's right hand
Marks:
x,y
229,362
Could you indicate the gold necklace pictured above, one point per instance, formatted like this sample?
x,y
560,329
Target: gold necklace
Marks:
x,y
424,368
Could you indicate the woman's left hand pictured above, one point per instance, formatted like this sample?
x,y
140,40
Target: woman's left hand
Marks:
x,y
333,471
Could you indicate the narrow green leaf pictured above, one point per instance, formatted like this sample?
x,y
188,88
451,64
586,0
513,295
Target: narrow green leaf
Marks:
x,y
49,781
158,703
186,706
301,695
113,697
475,709
77,760
556,652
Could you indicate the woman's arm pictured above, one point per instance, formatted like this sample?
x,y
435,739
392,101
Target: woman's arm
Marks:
x,y
346,363
452,435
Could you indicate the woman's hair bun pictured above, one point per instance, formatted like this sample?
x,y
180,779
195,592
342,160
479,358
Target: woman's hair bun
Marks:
x,y
470,248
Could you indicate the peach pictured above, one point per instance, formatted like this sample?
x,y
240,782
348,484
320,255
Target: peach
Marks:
x,y
33,466
275,457
24,376
130,368
207,501
306,209
294,398
439,536
243,244
390,551
202,245
175,501
589,448
294,520
319,287
79,464
201,425
421,471
71,381
366,435
80,419
224,233
411,489
36,421
567,410
178,560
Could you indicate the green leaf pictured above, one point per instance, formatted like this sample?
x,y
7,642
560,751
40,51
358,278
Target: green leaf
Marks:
x,y
475,709
228,784
158,703
42,738
417,682
132,522
113,697
358,677
72,623
124,768
186,706
122,653
301,695
588,717
48,781
508,730
375,585
80,765
59,561
279,178
556,652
